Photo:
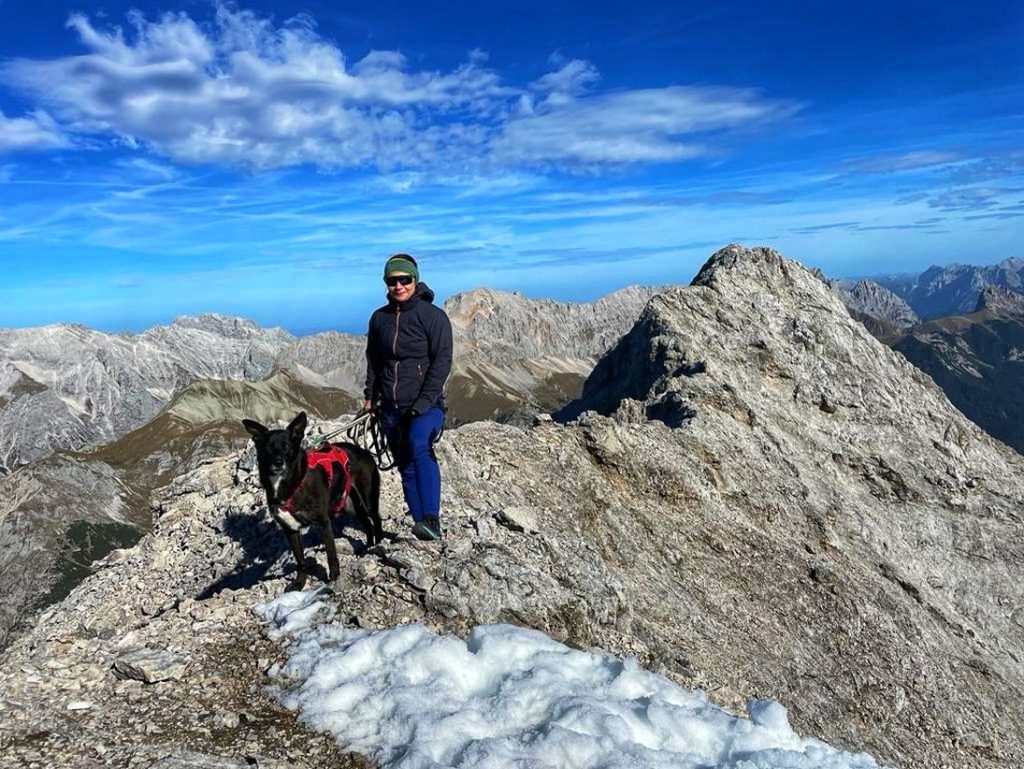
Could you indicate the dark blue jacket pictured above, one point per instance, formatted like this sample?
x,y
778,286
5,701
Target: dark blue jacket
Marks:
x,y
409,352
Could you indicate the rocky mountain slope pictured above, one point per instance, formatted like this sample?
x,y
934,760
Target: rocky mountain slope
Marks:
x,y
66,386
60,513
328,359
978,361
954,289
757,499
515,354
883,312
871,298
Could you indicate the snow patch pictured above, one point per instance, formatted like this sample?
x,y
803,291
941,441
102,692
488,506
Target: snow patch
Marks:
x,y
511,697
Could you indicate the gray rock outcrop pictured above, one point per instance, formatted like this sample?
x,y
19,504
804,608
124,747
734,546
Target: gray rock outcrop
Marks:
x,y
868,299
516,357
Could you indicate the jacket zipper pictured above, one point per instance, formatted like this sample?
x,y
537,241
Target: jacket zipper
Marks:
x,y
394,351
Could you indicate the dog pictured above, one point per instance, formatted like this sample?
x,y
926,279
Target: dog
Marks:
x,y
302,492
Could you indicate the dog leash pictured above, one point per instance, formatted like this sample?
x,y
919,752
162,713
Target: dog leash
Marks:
x,y
365,431
320,440
373,437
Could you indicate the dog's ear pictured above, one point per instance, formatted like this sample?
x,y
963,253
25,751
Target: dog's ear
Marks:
x,y
256,430
297,427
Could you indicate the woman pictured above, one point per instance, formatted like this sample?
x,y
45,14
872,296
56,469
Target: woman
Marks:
x,y
408,359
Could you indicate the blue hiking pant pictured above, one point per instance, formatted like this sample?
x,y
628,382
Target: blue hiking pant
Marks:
x,y
421,475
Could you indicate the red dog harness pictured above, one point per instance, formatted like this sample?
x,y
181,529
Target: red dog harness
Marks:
x,y
325,457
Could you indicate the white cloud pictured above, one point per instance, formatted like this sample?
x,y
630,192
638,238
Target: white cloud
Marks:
x,y
241,91
572,78
632,126
908,161
36,132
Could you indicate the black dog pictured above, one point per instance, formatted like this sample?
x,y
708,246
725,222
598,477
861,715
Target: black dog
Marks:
x,y
299,494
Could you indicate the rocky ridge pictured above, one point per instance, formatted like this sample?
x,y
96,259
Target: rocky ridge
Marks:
x,y
867,299
68,387
1000,300
518,356
772,504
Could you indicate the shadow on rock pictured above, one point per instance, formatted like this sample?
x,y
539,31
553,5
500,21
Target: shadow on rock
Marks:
x,y
264,543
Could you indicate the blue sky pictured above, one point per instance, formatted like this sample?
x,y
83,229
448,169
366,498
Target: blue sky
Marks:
x,y
262,159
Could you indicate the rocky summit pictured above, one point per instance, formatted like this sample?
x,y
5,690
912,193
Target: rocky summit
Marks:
x,y
753,497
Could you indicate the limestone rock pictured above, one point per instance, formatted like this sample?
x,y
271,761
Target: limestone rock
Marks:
x,y
519,518
149,666
190,760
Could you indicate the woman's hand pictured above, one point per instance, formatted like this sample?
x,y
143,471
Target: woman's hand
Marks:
x,y
367,407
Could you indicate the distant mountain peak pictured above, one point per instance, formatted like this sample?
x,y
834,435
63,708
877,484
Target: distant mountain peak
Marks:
x,y
525,327
224,325
1002,300
871,301
955,289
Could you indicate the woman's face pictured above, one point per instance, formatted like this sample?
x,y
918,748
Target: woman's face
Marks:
x,y
398,288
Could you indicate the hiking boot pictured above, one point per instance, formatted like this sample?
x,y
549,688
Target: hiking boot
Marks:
x,y
428,529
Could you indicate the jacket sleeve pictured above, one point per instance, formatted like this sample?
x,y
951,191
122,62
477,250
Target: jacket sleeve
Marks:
x,y
439,340
372,362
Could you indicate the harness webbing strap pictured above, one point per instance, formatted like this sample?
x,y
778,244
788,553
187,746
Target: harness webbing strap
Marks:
x,y
326,457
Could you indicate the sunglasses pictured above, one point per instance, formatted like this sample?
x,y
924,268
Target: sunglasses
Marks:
x,y
394,280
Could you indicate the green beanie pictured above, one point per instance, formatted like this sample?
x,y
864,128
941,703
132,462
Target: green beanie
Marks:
x,y
401,263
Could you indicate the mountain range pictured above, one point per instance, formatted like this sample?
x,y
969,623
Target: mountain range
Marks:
x,y
68,387
953,289
752,496
516,357
975,356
